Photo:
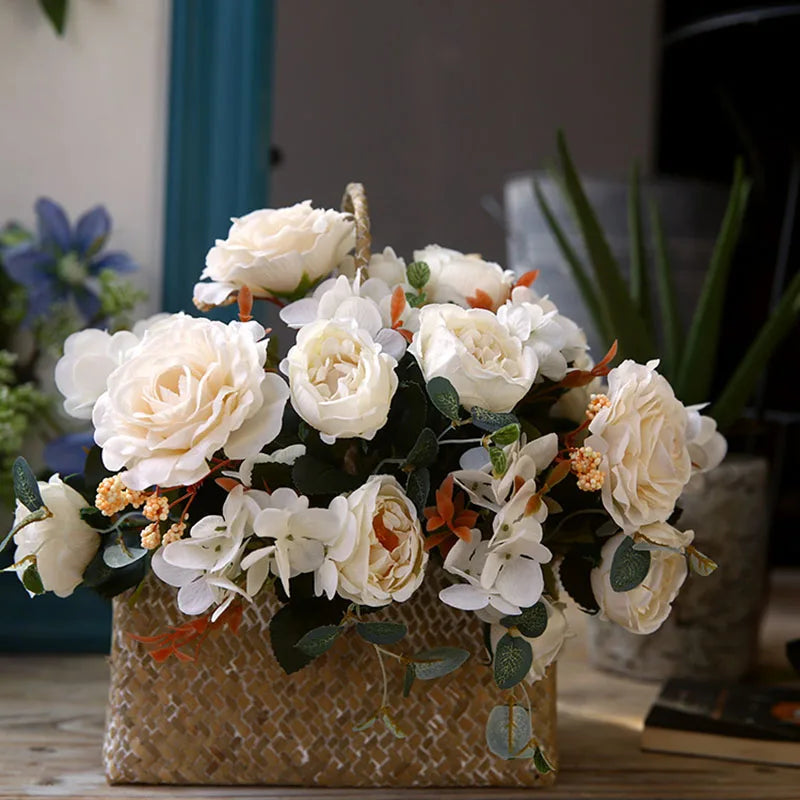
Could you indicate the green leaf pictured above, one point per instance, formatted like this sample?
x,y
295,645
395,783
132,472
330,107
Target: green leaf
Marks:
x,y
695,370
381,632
740,387
391,725
506,435
513,657
367,723
26,487
35,516
499,461
109,582
640,284
408,680
699,563
595,302
293,621
444,396
319,640
32,580
425,449
418,274
116,556
668,300
575,573
438,661
626,323
629,567
543,766
56,11
530,623
92,516
312,476
418,487
491,420
508,732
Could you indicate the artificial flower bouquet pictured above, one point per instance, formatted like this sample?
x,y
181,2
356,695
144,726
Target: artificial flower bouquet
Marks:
x,y
436,424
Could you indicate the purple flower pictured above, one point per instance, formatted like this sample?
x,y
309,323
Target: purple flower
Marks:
x,y
59,262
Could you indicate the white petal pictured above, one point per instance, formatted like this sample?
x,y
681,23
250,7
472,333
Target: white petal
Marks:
x,y
463,596
392,343
195,597
170,574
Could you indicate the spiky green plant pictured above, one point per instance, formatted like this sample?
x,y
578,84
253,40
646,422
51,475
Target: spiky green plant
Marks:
x,y
622,310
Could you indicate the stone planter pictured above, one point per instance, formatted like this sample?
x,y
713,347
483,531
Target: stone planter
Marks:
x,y
713,629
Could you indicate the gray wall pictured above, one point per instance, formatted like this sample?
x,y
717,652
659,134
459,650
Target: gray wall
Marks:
x,y
433,103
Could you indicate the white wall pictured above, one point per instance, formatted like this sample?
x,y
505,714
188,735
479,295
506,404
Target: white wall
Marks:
x,y
84,117
433,103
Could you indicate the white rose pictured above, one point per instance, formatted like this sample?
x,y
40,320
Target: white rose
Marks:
x,y
275,252
487,365
190,388
62,544
546,647
389,559
641,436
341,381
90,356
707,447
466,280
643,609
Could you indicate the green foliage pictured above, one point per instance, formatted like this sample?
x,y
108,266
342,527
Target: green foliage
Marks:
x,y
32,580
698,563
492,421
408,679
506,435
118,298
418,487
26,487
629,566
438,661
315,477
543,766
575,572
110,581
425,449
56,12
381,632
531,623
640,283
513,657
508,732
120,555
319,640
418,274
444,396
499,460
390,723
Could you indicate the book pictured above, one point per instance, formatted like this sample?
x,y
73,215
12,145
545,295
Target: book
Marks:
x,y
724,720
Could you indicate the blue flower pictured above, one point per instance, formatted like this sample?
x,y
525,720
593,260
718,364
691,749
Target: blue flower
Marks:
x,y
60,262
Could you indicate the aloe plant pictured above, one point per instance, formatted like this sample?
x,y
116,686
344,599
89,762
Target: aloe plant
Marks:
x,y
622,310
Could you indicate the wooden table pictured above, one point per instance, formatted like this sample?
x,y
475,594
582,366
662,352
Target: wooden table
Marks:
x,y
51,725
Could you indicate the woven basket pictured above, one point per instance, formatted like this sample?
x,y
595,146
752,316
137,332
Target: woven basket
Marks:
x,y
234,717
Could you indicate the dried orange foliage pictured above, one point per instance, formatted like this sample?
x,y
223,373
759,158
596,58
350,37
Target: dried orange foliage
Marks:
x,y
396,310
449,514
245,299
192,633
528,278
481,300
581,377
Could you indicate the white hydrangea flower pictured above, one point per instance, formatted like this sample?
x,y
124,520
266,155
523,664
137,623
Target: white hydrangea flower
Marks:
x,y
707,446
285,455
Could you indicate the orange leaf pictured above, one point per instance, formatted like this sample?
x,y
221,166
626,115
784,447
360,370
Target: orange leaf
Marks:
x,y
436,539
481,300
228,484
398,304
607,359
557,474
577,377
245,299
528,278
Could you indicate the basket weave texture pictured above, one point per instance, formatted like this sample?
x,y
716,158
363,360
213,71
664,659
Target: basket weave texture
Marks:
x,y
234,717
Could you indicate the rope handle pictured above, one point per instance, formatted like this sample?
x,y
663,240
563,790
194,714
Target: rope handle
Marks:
x,y
354,201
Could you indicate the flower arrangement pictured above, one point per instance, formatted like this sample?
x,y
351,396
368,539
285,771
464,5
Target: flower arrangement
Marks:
x,y
53,282
420,421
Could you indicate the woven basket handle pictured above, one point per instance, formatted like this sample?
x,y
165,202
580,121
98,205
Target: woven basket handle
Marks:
x,y
354,201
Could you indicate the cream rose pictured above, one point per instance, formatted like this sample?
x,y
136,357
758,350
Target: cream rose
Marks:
x,y
546,647
466,280
275,252
641,436
643,609
190,388
389,559
488,366
63,544
341,381
707,446
90,356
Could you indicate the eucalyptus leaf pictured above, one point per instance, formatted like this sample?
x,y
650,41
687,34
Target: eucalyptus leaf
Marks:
x,y
438,661
491,420
381,632
32,580
367,723
319,640
506,435
629,567
425,449
531,623
408,679
26,487
56,12
115,556
312,476
513,657
543,766
575,572
391,725
418,274
444,396
418,487
499,460
698,563
508,732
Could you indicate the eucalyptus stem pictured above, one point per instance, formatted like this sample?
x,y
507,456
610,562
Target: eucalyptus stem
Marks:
x,y
385,698
479,440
